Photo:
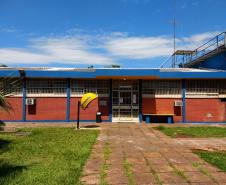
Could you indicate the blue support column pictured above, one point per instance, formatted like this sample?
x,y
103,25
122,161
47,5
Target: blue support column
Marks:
x,y
68,100
148,119
110,100
140,101
24,100
169,119
184,101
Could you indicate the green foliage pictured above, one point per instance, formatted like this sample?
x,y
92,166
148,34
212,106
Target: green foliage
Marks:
x,y
4,104
7,85
44,156
160,127
193,131
217,159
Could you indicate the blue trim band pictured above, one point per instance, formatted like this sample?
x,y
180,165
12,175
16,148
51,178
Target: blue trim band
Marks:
x,y
68,100
184,101
24,100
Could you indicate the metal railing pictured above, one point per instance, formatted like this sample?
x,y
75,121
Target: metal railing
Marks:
x,y
212,46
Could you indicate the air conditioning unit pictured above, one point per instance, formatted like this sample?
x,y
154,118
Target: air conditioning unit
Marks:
x,y
30,101
178,104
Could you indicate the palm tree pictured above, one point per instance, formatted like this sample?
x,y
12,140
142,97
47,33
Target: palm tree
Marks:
x,y
4,104
7,88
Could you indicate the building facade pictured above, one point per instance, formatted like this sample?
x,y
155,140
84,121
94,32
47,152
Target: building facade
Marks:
x,y
124,95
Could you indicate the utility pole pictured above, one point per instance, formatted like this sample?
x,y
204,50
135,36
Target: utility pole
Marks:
x,y
174,42
174,34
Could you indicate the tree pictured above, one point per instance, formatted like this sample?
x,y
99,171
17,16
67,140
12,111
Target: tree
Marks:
x,y
6,87
4,104
10,86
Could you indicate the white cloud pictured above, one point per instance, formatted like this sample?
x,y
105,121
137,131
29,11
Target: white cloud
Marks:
x,y
68,50
97,49
200,38
22,56
139,47
151,47
194,41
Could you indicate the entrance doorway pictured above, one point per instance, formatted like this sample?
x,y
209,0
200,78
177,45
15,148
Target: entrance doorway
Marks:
x,y
125,101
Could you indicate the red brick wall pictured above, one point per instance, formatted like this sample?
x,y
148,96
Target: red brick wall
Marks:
x,y
15,113
47,109
90,112
205,110
161,106
104,109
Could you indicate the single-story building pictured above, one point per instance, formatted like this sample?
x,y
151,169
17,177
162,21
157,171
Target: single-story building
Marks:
x,y
180,95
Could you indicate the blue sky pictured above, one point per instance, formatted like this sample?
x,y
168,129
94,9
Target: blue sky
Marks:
x,y
81,33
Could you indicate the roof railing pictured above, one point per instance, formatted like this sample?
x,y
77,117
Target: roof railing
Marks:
x,y
185,56
213,44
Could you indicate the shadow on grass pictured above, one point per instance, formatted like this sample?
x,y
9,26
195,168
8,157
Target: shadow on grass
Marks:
x,y
8,170
3,145
91,126
2,124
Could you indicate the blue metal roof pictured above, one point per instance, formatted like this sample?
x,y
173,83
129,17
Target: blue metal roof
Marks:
x,y
139,73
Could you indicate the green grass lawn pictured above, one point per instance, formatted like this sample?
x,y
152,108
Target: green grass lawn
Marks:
x,y
193,131
44,155
217,159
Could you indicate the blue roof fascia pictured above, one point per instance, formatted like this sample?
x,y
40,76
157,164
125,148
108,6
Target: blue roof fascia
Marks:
x,y
193,75
93,74
9,73
125,73
116,73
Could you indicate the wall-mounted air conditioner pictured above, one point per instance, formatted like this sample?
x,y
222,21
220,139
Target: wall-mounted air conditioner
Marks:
x,y
178,104
30,101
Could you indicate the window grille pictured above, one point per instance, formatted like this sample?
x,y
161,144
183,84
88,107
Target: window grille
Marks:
x,y
206,88
10,87
161,88
46,87
79,87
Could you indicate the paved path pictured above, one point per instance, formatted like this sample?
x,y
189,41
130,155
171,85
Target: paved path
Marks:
x,y
203,143
132,154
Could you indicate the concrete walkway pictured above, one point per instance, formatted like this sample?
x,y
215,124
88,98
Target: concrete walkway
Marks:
x,y
133,154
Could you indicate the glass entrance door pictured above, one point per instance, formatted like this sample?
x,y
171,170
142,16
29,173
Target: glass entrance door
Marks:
x,y
125,102
125,105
